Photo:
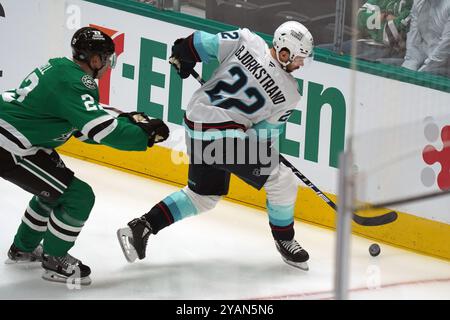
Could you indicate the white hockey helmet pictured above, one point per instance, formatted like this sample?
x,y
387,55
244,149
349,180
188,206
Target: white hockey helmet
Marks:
x,y
295,37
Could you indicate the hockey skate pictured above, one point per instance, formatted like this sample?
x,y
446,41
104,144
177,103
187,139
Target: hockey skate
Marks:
x,y
15,255
66,269
133,239
293,254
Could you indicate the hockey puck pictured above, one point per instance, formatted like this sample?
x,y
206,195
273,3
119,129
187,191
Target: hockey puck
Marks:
x,y
374,249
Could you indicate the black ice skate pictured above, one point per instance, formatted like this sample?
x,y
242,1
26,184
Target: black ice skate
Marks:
x,y
65,269
133,239
293,254
15,255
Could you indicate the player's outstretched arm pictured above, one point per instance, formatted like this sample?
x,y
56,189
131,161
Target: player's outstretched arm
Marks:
x,y
156,129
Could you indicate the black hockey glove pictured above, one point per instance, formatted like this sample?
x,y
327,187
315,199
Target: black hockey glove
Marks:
x,y
156,129
184,56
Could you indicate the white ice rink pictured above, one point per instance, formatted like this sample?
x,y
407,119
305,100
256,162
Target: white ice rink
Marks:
x,y
227,253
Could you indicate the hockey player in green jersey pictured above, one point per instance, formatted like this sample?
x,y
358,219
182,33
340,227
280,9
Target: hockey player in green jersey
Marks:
x,y
54,102
382,27
385,21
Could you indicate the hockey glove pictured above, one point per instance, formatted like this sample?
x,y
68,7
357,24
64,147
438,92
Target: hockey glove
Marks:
x,y
184,56
156,129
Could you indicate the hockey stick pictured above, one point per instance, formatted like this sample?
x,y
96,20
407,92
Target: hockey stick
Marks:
x,y
112,109
380,220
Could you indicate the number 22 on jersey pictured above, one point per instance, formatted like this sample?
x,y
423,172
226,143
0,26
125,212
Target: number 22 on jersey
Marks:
x,y
235,89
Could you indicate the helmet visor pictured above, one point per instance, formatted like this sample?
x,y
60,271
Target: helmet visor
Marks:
x,y
306,61
299,62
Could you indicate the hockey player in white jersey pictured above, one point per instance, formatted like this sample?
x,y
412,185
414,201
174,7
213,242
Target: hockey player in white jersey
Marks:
x,y
231,124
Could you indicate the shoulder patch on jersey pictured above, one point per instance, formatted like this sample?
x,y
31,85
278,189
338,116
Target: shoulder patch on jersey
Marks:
x,y
89,82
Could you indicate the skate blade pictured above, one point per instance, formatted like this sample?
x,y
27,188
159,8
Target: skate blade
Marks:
x,y
70,281
125,235
22,262
299,265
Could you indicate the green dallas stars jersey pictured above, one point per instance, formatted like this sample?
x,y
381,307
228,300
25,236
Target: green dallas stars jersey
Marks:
x,y
371,11
53,103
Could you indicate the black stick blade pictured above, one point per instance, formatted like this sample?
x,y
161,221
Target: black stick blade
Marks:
x,y
377,220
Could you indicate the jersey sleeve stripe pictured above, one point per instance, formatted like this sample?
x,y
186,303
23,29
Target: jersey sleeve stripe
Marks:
x,y
13,141
206,44
99,128
13,135
12,138
93,124
106,130
80,136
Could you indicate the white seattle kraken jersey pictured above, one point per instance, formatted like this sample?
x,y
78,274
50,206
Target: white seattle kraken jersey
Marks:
x,y
249,87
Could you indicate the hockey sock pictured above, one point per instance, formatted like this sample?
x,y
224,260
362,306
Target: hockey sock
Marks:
x,y
62,233
173,208
34,225
281,221
68,218
282,233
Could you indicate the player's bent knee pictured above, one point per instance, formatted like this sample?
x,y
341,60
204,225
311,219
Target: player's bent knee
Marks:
x,y
202,202
78,199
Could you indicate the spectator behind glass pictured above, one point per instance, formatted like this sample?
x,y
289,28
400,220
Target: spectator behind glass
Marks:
x,y
428,41
382,27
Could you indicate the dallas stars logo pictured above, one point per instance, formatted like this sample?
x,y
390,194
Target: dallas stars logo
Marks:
x,y
89,82
65,136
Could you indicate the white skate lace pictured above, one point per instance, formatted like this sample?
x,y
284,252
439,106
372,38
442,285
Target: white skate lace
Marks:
x,y
291,246
146,234
68,260
141,238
